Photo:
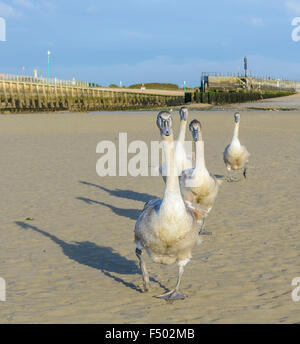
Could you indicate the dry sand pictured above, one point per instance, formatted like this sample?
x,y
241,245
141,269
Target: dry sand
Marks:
x,y
75,262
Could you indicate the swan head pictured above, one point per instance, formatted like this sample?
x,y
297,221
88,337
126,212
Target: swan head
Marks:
x,y
183,112
164,123
195,128
237,117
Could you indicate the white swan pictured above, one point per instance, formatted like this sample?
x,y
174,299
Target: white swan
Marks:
x,y
166,228
183,162
236,156
199,188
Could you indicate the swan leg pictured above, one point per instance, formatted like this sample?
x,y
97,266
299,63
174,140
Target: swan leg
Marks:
x,y
245,172
144,271
175,294
229,175
202,231
203,225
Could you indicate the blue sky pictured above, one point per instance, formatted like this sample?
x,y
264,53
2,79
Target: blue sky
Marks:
x,y
149,40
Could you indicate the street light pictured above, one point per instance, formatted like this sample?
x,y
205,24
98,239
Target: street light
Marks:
x,y
245,65
48,71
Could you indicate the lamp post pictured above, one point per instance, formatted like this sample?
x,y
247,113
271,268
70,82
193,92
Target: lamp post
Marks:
x,y
245,65
48,70
184,86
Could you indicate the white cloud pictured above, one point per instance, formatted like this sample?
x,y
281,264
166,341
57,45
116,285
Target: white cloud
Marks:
x,y
91,9
256,21
293,7
7,11
50,6
14,10
24,3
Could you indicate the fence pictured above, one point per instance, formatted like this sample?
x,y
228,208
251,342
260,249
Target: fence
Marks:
x,y
23,96
249,75
42,80
231,81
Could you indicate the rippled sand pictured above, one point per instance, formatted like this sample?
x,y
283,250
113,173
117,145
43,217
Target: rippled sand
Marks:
x,y
75,261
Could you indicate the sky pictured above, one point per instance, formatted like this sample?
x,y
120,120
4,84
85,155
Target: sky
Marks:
x,y
139,41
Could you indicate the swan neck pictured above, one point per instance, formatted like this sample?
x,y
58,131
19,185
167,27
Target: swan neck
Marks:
x,y
200,159
172,189
236,130
182,130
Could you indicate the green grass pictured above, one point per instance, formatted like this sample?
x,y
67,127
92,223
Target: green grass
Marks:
x,y
156,86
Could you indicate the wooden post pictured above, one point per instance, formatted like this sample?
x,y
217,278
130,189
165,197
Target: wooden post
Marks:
x,y
5,94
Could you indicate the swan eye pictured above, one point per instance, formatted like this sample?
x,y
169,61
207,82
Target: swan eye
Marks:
x,y
191,127
183,113
159,121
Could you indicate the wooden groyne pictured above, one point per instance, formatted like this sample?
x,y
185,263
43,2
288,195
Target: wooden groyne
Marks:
x,y
29,96
230,97
214,81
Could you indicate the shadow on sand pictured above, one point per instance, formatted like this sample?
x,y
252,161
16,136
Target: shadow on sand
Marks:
x,y
129,194
132,214
102,258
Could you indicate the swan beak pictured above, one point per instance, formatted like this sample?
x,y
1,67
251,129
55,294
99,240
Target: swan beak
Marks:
x,y
166,130
164,126
183,114
236,117
195,134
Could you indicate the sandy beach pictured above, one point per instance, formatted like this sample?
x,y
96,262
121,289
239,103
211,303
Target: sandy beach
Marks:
x,y
75,261
291,103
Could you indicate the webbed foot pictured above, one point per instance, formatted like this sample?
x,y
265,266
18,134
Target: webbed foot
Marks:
x,y
232,180
202,232
172,295
202,229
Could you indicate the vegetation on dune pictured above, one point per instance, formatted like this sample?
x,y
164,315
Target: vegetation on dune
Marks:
x,y
147,85
156,86
113,86
93,84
